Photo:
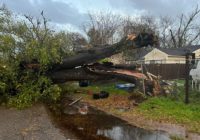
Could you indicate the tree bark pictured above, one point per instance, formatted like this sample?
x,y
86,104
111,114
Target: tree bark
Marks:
x,y
85,74
97,53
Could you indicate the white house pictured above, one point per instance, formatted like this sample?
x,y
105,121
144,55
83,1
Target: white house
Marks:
x,y
165,55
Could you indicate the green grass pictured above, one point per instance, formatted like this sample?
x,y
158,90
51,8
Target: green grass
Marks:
x,y
179,81
173,109
109,87
168,109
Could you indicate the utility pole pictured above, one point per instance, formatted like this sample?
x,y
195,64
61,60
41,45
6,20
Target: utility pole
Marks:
x,y
190,61
143,83
187,70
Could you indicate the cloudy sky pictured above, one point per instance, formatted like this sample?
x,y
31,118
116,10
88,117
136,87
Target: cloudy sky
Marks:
x,y
72,13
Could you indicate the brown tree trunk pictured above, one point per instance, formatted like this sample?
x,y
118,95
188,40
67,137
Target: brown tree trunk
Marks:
x,y
85,74
97,53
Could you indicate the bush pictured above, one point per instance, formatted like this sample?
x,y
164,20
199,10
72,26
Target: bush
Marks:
x,y
24,42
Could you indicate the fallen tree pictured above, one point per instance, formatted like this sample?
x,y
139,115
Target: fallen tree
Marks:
x,y
97,53
89,73
83,67
31,53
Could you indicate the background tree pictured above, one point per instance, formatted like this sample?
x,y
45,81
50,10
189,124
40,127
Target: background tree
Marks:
x,y
182,31
77,40
164,24
102,27
145,24
139,24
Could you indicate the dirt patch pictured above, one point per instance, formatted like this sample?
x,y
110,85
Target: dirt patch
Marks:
x,y
32,123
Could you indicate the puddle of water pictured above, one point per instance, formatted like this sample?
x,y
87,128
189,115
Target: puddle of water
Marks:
x,y
97,125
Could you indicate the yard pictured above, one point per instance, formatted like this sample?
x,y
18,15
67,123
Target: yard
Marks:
x,y
152,112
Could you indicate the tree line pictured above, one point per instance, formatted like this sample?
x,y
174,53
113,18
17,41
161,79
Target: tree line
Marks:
x,y
173,32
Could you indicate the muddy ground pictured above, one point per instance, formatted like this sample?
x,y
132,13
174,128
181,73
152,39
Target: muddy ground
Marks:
x,y
121,107
30,124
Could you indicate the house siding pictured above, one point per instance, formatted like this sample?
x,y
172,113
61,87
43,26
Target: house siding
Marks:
x,y
175,60
159,57
197,53
156,56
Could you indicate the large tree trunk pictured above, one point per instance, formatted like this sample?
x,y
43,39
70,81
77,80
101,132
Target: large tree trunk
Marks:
x,y
97,53
86,74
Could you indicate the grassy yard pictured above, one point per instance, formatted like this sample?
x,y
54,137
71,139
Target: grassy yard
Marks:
x,y
173,109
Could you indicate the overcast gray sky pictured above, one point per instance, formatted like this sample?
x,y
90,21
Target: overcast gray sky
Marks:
x,y
72,13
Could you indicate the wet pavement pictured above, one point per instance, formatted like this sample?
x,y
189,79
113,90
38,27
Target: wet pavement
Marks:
x,y
30,124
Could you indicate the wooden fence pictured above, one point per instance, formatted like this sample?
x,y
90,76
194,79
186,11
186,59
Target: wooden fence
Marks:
x,y
166,71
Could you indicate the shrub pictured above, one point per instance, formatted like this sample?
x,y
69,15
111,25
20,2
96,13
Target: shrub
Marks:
x,y
26,41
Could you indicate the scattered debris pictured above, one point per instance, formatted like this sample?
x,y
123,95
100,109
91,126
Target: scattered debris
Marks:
x,y
153,76
131,73
148,93
75,101
137,97
135,104
127,86
151,85
169,87
83,110
83,83
101,95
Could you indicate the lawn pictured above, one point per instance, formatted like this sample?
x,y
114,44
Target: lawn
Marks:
x,y
173,109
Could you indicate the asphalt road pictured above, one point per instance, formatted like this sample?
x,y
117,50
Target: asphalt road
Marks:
x,y
30,124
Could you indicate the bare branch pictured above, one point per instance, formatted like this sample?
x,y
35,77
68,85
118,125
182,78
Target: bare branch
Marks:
x,y
173,38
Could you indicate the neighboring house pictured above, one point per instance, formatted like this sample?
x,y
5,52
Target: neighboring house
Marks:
x,y
157,55
164,55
